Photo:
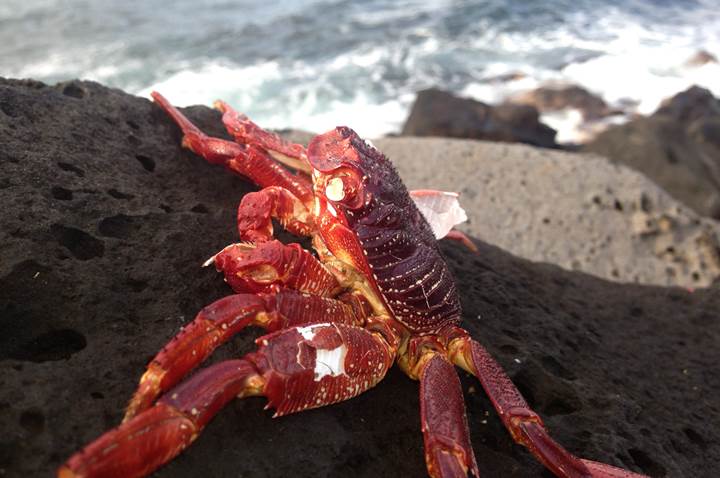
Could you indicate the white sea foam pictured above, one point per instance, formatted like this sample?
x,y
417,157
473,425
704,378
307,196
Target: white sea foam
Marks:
x,y
303,104
628,64
368,77
216,80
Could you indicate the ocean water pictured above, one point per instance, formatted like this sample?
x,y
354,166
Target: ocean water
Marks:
x,y
314,64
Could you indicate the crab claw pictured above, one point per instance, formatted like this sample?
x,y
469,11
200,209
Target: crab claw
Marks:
x,y
266,266
296,369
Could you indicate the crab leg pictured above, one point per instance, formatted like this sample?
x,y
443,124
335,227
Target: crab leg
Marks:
x,y
525,426
247,132
448,452
462,238
220,321
251,162
296,369
256,211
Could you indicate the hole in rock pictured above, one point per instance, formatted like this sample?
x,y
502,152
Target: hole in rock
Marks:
x,y
33,421
118,226
71,168
61,193
73,91
119,195
695,437
509,349
147,163
647,464
53,345
10,109
200,208
80,244
553,366
137,285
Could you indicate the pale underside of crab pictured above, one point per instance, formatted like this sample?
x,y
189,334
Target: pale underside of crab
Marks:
x,y
376,292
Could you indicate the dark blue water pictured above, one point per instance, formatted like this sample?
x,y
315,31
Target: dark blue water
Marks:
x,y
314,64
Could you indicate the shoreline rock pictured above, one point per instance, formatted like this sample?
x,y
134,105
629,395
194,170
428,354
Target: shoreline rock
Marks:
x,y
578,211
440,113
106,221
562,97
678,147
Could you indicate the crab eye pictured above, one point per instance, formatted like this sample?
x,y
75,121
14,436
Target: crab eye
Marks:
x,y
335,189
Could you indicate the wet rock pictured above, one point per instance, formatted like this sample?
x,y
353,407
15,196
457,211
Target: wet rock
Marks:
x,y
690,105
702,57
677,147
555,98
613,369
439,113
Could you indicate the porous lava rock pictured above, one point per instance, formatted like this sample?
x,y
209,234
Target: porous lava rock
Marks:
x,y
106,221
579,211
678,147
440,113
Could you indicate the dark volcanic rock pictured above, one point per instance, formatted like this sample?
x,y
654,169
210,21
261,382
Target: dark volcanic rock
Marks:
x,y
691,105
439,113
678,147
554,98
105,223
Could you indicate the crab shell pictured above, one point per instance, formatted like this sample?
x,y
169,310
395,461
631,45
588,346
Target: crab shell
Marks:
x,y
368,220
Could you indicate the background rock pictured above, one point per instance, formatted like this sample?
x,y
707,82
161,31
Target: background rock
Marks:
x,y
554,98
105,224
439,113
575,210
678,147
701,57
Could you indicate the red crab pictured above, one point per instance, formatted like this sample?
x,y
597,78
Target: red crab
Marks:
x,y
378,292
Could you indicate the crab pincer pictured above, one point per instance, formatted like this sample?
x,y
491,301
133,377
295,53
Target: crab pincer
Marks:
x,y
296,369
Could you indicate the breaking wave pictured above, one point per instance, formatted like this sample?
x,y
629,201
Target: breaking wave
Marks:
x,y
314,65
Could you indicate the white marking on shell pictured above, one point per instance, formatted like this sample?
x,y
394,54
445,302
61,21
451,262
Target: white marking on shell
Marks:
x,y
335,189
330,362
308,332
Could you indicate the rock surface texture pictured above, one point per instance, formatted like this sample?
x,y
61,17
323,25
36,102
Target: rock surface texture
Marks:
x,y
439,113
105,224
577,211
678,147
